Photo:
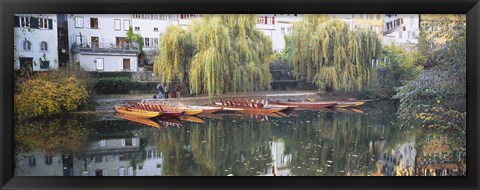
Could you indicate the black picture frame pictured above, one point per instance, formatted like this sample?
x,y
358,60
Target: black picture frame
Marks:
x,y
10,7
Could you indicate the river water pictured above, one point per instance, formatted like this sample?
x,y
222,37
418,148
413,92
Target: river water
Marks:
x,y
304,143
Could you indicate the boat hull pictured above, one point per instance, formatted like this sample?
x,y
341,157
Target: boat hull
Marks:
x,y
136,112
306,104
139,120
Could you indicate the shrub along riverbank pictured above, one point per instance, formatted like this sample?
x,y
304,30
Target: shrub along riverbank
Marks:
x,y
49,93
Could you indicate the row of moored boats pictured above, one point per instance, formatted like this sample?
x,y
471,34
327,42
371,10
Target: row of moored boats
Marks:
x,y
159,108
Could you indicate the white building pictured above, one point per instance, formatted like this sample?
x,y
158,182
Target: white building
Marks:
x,y
35,41
38,164
98,42
153,163
109,157
276,27
401,29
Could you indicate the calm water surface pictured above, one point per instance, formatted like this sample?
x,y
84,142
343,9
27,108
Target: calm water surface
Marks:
x,y
305,143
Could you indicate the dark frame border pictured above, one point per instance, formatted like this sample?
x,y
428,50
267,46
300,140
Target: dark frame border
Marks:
x,y
10,7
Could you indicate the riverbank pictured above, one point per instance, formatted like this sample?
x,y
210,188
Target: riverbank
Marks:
x,y
105,103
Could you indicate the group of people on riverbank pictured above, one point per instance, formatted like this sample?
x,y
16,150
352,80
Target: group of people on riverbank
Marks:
x,y
164,91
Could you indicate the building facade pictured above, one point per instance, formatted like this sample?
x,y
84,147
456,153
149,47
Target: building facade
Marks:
x,y
98,42
35,39
109,157
401,29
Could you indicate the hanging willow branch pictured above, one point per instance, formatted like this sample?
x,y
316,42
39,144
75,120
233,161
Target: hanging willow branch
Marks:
x,y
222,53
326,52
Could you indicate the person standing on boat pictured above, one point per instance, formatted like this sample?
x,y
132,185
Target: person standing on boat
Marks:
x,y
160,90
165,90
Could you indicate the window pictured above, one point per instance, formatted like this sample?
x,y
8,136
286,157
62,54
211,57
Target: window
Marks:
x,y
400,34
282,29
99,65
117,24
78,22
159,165
289,30
44,64
140,167
164,17
25,22
147,42
155,29
409,34
85,173
378,16
94,23
98,158
137,28
155,16
130,171
101,143
147,16
43,23
100,173
261,20
26,45
126,24
411,20
173,17
121,172
43,46
155,42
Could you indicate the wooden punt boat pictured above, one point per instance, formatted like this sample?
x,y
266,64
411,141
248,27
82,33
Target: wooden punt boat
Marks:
x,y
157,108
306,104
191,118
344,104
136,112
207,109
250,109
185,110
356,110
139,120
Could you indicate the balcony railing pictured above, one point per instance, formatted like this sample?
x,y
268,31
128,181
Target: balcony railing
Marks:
x,y
97,47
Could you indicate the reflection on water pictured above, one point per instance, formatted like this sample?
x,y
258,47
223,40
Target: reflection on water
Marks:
x,y
305,143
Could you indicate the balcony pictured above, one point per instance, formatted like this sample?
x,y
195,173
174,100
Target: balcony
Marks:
x,y
104,48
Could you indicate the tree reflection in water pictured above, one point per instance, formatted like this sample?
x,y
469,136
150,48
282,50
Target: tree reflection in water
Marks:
x,y
308,143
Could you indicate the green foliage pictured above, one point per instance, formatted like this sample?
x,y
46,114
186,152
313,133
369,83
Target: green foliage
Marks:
x,y
50,93
400,66
123,86
134,37
96,75
326,52
438,97
217,53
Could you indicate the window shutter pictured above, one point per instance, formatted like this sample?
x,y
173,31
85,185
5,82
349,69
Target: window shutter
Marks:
x,y
99,23
120,64
87,22
273,20
33,22
50,24
89,41
16,21
131,68
265,19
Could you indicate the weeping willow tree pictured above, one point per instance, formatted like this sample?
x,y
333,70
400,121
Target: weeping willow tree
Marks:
x,y
216,54
326,52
